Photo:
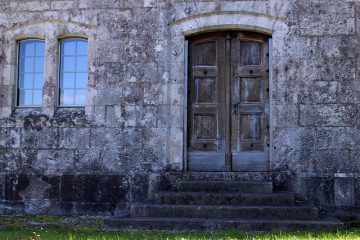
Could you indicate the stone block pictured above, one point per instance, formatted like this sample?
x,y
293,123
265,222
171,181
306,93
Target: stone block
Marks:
x,y
349,92
63,5
44,138
320,190
54,162
335,69
94,4
139,187
293,148
357,191
115,72
327,24
340,47
337,138
154,146
296,47
113,163
113,116
29,6
69,118
132,116
334,161
155,93
74,138
133,93
320,92
6,95
344,190
325,7
150,116
284,115
328,115
9,138
89,160
11,160
14,184
93,188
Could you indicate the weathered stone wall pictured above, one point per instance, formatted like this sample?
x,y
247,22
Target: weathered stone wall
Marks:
x,y
98,159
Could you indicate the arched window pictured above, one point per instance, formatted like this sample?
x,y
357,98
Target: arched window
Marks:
x,y
73,72
30,73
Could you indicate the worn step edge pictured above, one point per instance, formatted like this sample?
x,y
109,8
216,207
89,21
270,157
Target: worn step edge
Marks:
x,y
248,187
223,211
190,224
209,198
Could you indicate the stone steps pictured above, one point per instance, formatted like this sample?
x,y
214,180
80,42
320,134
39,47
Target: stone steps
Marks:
x,y
227,212
210,198
212,224
226,186
194,202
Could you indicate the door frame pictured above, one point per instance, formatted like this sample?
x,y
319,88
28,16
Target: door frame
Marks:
x,y
185,108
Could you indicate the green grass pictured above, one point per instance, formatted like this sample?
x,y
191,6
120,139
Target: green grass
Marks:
x,y
44,227
16,234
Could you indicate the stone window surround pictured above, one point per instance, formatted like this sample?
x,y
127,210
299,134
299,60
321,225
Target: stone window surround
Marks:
x,y
52,32
206,22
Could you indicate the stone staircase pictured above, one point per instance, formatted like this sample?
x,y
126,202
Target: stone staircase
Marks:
x,y
202,204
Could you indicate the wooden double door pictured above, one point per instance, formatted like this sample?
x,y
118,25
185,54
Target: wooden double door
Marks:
x,y
228,102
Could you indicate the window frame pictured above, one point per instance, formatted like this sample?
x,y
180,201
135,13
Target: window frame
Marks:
x,y
17,72
58,91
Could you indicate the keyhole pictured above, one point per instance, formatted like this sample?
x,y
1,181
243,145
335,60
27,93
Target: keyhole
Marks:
x,y
205,145
251,145
251,71
205,72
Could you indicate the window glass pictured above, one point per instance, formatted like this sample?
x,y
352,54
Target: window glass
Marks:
x,y
30,72
73,72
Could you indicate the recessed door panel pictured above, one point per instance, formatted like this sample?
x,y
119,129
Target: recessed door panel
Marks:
x,y
250,104
205,117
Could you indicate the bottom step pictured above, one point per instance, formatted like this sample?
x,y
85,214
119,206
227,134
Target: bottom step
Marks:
x,y
201,224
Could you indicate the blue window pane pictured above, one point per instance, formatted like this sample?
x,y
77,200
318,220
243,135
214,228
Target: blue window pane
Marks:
x,y
30,72
68,64
39,64
26,81
81,64
25,97
39,81
27,49
68,80
81,80
27,65
37,97
67,97
80,97
69,47
73,77
40,49
81,48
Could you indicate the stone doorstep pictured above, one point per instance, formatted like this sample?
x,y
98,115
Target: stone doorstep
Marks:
x,y
225,186
224,212
206,198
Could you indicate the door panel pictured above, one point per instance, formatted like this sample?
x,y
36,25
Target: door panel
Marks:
x,y
228,102
206,93
250,101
